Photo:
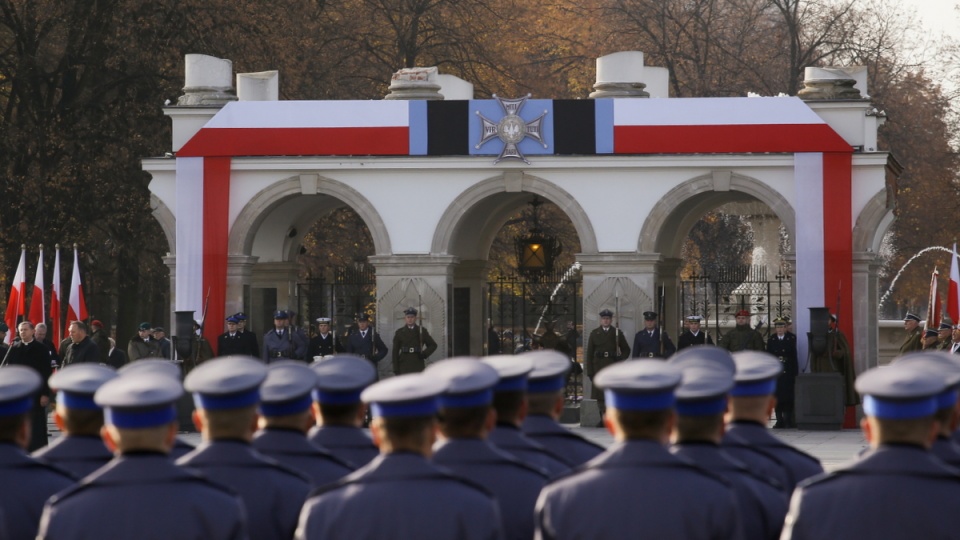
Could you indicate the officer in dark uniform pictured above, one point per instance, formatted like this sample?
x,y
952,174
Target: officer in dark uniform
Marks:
x,y
165,368
227,392
648,343
31,353
249,339
914,338
948,367
230,342
339,411
701,404
605,346
784,347
637,487
80,450
283,343
141,493
26,482
285,418
909,489
366,342
325,343
412,345
545,396
750,406
692,336
401,494
466,416
509,398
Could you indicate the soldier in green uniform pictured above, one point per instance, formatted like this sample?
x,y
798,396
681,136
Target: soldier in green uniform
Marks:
x,y
913,341
412,345
944,342
606,345
837,359
742,338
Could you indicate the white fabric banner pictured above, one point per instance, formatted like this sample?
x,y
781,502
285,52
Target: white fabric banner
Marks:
x,y
809,272
189,205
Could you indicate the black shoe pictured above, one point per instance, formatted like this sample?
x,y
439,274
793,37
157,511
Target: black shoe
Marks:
x,y
778,425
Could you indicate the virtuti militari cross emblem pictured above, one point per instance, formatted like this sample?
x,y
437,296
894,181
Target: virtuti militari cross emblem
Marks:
x,y
511,129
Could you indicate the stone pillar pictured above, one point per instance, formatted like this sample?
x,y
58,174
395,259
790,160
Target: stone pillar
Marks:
x,y
668,274
419,281
607,277
866,317
473,274
171,262
239,275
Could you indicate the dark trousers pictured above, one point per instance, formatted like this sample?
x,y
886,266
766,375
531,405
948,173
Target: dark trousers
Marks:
x,y
38,428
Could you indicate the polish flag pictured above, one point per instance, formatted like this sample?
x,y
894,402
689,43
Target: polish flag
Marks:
x,y
37,306
77,308
16,305
953,294
54,333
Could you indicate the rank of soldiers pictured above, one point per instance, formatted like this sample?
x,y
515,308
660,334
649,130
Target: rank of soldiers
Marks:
x,y
470,448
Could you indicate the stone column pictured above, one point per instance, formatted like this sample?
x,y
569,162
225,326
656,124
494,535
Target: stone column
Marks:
x,y
279,276
866,317
668,274
239,275
473,274
171,262
627,279
419,281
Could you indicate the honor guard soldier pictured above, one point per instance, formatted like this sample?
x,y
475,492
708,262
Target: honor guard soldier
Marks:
x,y
199,347
339,410
545,397
401,494
246,336
752,401
693,336
141,493
29,352
231,342
637,487
285,418
897,488
742,337
165,368
652,341
605,346
701,404
366,342
26,482
783,346
466,417
282,342
227,392
412,345
914,338
510,403
143,345
80,450
948,367
325,343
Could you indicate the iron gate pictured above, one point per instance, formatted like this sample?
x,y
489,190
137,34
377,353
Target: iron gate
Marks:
x,y
719,296
341,293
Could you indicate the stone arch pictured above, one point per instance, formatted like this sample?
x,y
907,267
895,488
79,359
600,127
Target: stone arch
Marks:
x,y
872,224
244,229
677,211
167,221
458,215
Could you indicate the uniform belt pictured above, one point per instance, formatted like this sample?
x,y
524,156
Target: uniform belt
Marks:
x,y
606,355
278,354
410,349
781,358
650,355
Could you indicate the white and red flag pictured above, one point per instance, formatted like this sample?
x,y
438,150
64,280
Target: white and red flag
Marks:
x,y
16,305
55,333
933,304
77,308
953,293
37,305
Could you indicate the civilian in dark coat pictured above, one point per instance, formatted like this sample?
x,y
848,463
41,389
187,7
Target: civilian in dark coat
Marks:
x,y
361,342
141,494
26,482
784,346
40,334
81,347
31,353
116,357
99,336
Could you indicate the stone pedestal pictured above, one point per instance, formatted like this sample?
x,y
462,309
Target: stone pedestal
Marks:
x,y
570,414
819,401
590,413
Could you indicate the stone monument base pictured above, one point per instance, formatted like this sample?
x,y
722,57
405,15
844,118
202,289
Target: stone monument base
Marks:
x,y
590,413
819,401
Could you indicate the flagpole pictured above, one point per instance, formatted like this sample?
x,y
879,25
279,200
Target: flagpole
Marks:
x,y
55,333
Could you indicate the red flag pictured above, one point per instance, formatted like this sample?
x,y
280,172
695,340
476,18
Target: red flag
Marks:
x,y
933,304
16,305
77,308
55,334
37,306
953,294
